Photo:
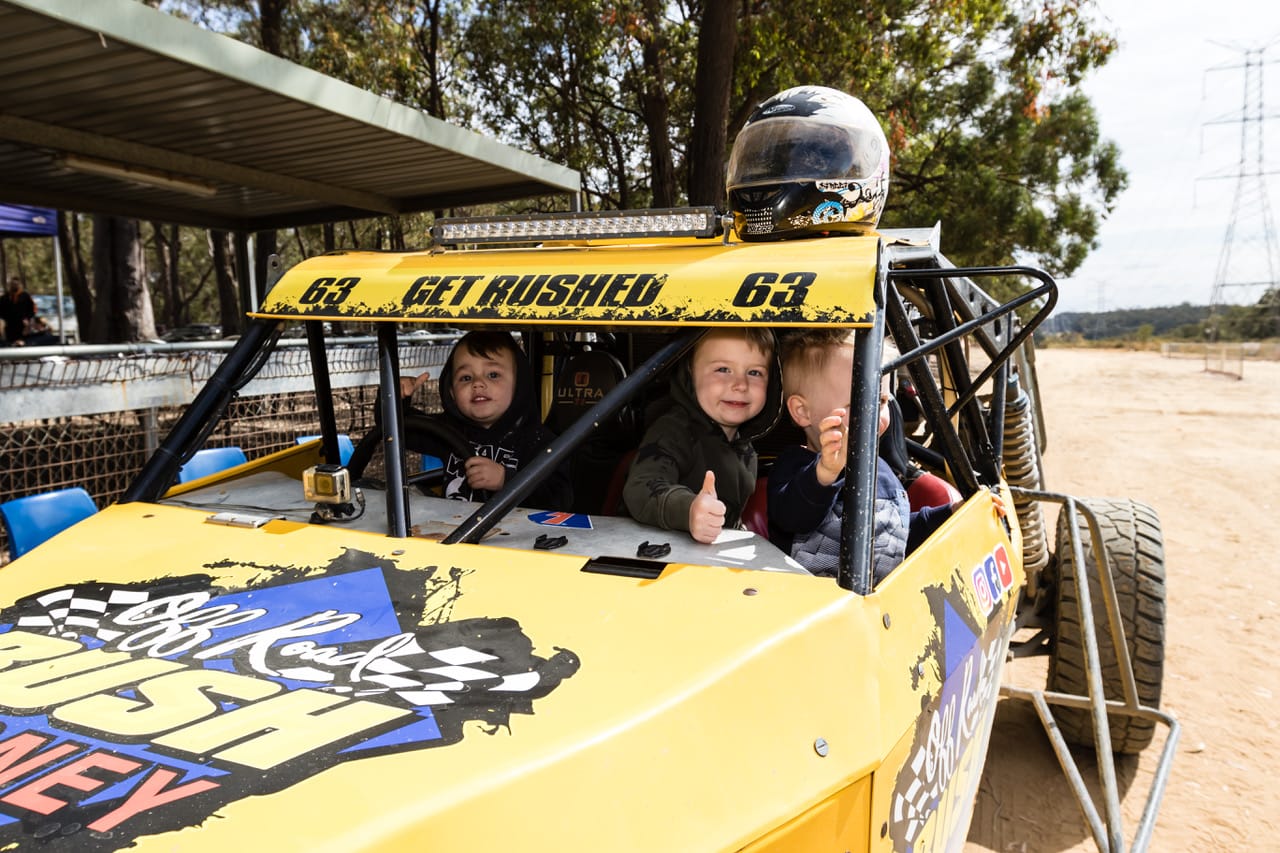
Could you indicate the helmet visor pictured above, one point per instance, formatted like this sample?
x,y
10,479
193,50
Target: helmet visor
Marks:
x,y
802,149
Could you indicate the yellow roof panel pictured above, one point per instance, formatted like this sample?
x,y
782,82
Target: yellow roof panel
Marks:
x,y
827,282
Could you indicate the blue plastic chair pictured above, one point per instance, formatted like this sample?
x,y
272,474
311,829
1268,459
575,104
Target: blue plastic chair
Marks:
x,y
33,519
345,446
211,460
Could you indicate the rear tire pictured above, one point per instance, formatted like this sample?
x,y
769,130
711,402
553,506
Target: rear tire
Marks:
x,y
1135,550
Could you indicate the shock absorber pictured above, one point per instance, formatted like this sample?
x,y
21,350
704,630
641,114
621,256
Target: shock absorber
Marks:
x,y
1022,468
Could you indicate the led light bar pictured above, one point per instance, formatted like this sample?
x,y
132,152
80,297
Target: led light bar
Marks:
x,y
590,225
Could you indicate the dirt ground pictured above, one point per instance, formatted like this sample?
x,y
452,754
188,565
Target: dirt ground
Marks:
x,y
1204,450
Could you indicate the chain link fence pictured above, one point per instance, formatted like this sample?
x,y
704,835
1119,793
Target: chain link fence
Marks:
x,y
94,421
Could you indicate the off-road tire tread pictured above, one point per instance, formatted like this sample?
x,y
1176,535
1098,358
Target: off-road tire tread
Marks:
x,y
1135,546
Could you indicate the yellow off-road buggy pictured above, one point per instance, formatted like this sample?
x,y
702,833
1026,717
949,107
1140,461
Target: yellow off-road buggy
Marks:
x,y
284,656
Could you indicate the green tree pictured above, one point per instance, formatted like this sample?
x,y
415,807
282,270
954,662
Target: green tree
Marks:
x,y
981,99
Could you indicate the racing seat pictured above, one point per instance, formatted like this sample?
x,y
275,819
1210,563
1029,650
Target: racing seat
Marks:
x,y
755,514
30,520
923,489
612,502
345,446
583,379
211,460
931,490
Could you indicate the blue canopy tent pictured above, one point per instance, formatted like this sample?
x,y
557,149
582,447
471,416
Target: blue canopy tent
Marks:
x,y
20,220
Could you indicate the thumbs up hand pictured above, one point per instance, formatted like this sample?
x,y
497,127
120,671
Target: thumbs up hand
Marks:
x,y
706,513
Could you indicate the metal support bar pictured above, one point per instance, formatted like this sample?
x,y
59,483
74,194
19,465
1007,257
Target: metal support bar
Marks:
x,y
995,415
1108,838
392,417
930,396
858,494
324,391
1048,289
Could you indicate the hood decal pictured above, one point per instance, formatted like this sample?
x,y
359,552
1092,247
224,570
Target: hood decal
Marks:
x,y
945,759
132,709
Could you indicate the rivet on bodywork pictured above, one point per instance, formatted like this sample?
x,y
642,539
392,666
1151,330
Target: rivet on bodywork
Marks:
x,y
886,620
397,552
820,747
751,590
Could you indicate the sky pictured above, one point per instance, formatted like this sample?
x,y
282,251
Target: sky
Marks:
x,y
1161,243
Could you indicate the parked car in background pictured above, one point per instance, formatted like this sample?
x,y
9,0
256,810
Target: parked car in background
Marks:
x,y
47,308
194,332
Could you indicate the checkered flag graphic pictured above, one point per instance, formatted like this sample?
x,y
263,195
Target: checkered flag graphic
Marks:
x,y
78,611
911,807
421,677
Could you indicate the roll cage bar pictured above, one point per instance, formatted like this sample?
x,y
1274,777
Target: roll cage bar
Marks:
x,y
927,305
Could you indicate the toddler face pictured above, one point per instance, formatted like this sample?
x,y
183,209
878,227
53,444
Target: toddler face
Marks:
x,y
483,387
828,390
730,380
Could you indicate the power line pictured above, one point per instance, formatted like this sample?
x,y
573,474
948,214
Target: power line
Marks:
x,y
1247,262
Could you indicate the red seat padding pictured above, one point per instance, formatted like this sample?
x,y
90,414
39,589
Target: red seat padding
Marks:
x,y
931,490
755,515
613,494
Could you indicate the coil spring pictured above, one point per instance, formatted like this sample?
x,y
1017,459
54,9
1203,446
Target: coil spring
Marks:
x,y
1022,468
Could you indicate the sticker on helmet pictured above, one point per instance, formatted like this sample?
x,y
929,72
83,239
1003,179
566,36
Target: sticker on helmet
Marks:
x,y
828,211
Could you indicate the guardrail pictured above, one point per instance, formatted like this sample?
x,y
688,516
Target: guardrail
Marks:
x,y
91,415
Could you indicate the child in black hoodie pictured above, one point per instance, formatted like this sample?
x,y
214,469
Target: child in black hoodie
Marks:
x,y
486,389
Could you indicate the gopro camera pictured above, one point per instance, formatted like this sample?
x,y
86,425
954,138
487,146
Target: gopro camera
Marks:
x,y
327,484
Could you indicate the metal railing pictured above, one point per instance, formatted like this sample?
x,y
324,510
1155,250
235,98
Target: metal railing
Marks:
x,y
88,417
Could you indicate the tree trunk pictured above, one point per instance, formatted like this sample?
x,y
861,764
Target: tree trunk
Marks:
x,y
122,313
271,24
265,244
429,46
654,107
224,277
713,81
73,270
167,251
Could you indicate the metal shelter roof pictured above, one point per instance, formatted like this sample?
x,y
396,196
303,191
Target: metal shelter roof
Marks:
x,y
110,106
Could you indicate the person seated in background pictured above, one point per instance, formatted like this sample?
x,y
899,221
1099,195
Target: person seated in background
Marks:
x,y
696,466
38,334
487,393
17,309
805,507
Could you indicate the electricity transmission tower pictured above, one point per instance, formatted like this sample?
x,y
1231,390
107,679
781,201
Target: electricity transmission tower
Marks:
x,y
1248,261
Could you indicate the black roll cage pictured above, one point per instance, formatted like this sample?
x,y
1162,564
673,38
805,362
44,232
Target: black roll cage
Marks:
x,y
915,292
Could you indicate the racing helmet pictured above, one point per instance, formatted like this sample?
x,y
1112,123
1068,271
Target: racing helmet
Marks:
x,y
809,160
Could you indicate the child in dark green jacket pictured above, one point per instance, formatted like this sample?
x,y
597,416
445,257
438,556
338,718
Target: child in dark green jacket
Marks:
x,y
696,467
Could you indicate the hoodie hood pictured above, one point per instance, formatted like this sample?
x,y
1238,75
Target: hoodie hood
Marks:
x,y
523,404
683,394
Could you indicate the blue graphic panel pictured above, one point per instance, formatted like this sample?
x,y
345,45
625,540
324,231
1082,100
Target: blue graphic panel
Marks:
x,y
957,638
575,520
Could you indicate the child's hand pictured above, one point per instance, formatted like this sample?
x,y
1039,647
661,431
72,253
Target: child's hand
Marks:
x,y
706,513
409,384
998,500
833,433
484,474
